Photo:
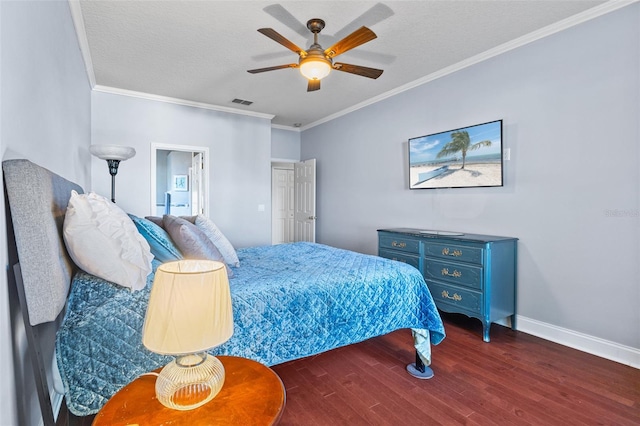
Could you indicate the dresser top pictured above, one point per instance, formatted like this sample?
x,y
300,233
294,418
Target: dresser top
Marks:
x,y
439,234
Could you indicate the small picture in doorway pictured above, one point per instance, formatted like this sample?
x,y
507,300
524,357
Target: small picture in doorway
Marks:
x,y
180,183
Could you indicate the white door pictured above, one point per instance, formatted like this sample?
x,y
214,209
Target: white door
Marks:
x,y
197,192
282,205
305,199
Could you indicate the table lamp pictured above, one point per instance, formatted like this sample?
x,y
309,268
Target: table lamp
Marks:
x,y
189,312
114,154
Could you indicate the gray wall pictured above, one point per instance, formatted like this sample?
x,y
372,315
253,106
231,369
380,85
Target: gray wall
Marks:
x,y
44,117
285,144
239,149
570,104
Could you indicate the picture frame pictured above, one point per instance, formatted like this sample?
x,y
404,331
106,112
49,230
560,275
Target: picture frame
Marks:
x,y
466,157
180,183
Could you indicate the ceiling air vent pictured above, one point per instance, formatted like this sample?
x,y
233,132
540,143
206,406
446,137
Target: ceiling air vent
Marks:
x,y
241,101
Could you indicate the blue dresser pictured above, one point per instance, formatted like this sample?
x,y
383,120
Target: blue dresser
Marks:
x,y
469,274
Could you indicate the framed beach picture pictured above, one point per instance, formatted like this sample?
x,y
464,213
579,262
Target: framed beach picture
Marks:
x,y
461,158
180,183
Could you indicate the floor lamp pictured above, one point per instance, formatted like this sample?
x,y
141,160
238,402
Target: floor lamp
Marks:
x,y
114,154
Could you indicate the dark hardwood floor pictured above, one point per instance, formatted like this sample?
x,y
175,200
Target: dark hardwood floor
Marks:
x,y
517,379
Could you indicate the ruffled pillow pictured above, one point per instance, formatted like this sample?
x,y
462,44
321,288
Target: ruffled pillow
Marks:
x,y
210,229
103,241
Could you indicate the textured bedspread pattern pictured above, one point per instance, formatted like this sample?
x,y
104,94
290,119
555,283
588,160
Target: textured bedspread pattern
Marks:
x,y
289,301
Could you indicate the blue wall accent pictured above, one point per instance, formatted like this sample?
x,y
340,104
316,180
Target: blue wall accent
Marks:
x,y
570,104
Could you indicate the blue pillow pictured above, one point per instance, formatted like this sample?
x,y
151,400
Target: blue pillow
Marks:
x,y
162,247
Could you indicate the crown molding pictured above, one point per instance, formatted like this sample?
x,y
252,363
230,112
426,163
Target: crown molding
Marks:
x,y
587,15
607,7
176,101
81,33
283,127
83,41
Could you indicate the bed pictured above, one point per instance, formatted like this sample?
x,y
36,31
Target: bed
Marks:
x,y
290,301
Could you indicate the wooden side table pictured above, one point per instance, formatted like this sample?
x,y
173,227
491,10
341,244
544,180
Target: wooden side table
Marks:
x,y
252,394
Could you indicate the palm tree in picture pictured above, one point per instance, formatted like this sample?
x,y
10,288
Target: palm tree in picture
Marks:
x,y
460,141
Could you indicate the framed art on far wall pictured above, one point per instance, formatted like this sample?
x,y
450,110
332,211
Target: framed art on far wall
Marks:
x,y
180,183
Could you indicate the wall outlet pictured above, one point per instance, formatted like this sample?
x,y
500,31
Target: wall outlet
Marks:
x,y
506,154
260,207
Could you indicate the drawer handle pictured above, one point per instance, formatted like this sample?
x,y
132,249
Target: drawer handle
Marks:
x,y
454,253
399,260
455,296
455,274
397,244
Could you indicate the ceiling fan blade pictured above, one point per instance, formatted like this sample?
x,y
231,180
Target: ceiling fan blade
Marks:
x,y
273,56
313,85
355,39
358,70
277,37
366,55
377,13
277,67
285,17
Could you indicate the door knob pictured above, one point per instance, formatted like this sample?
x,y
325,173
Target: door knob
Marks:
x,y
312,217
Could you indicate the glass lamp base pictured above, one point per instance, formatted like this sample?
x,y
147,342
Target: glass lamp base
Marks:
x,y
190,381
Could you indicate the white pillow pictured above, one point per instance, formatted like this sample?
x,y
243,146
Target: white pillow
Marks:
x,y
219,240
103,241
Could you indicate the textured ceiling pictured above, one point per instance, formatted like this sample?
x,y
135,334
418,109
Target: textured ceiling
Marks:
x,y
199,51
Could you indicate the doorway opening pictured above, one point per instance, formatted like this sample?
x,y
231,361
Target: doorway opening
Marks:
x,y
179,180
293,201
282,203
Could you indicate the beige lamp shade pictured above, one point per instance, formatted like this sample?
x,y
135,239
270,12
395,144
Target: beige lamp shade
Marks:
x,y
189,308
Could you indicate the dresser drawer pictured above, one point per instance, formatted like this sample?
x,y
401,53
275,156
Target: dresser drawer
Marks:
x,y
457,273
401,257
470,274
399,242
447,295
453,252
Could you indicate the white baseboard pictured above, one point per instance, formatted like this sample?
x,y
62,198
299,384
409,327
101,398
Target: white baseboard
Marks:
x,y
583,342
56,404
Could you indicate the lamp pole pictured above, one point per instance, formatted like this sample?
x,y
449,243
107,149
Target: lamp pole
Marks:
x,y
113,171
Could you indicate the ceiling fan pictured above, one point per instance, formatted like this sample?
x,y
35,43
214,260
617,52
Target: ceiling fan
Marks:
x,y
315,63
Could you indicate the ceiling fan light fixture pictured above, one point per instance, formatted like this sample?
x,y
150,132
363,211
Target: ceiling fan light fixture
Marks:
x,y
316,63
315,67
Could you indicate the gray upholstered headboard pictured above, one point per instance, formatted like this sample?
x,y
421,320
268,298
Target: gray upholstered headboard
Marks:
x,y
38,201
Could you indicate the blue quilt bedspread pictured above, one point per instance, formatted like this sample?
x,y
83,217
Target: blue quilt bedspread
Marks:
x,y
289,301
